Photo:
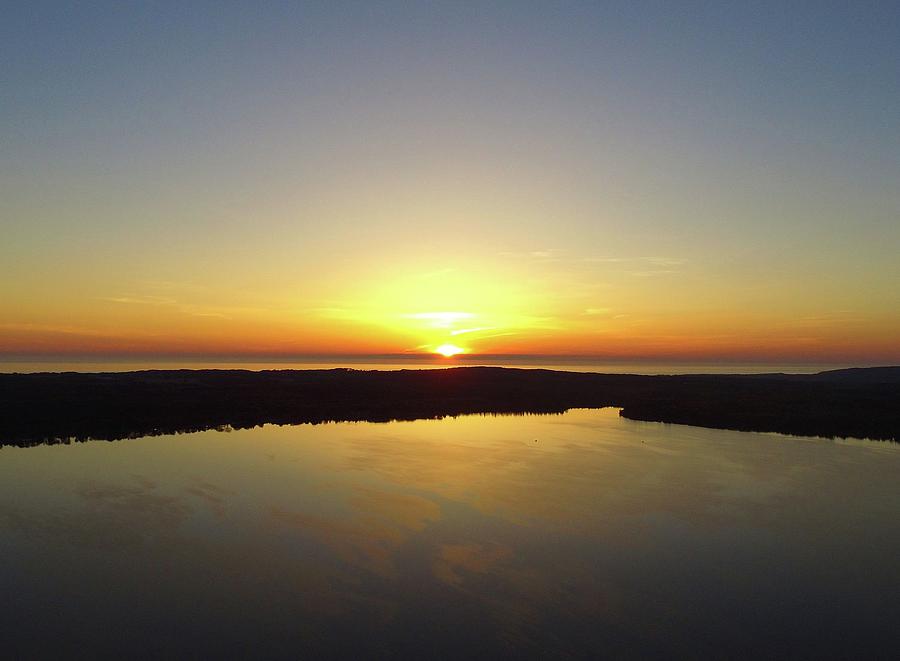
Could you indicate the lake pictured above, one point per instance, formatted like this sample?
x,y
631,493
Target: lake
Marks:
x,y
574,535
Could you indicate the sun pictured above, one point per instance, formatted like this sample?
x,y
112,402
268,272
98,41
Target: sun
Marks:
x,y
448,350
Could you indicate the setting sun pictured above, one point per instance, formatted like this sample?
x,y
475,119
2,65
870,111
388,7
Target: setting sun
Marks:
x,y
448,350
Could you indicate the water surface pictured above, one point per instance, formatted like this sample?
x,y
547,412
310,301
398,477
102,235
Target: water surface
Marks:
x,y
580,534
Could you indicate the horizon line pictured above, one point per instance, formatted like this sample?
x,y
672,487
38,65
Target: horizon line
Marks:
x,y
429,357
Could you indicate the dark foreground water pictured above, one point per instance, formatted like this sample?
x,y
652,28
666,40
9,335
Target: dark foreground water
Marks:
x,y
577,535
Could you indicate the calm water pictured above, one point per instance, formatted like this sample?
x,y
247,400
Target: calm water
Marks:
x,y
581,534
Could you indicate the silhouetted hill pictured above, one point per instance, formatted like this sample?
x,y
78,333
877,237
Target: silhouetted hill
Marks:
x,y
861,375
42,408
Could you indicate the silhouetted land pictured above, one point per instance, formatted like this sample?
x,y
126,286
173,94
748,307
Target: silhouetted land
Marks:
x,y
51,408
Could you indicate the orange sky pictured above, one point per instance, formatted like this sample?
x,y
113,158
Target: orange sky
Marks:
x,y
506,179
538,302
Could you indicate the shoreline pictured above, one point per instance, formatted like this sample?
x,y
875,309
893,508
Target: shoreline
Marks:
x,y
42,408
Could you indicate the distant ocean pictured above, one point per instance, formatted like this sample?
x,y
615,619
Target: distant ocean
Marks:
x,y
395,362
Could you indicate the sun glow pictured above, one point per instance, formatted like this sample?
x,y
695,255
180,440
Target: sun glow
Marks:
x,y
448,350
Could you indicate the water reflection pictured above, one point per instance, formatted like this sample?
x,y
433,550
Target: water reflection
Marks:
x,y
567,535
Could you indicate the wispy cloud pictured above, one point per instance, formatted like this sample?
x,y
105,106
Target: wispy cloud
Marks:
x,y
440,319
640,266
50,328
168,302
543,254
140,300
171,285
463,331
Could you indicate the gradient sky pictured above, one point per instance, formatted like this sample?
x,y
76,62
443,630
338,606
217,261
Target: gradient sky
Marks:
x,y
632,179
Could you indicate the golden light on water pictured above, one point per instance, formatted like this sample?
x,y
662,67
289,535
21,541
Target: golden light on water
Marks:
x,y
448,350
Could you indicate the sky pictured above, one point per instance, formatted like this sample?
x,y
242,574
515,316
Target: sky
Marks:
x,y
633,180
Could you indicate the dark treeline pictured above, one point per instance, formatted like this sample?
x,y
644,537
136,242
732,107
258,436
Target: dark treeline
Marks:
x,y
49,408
